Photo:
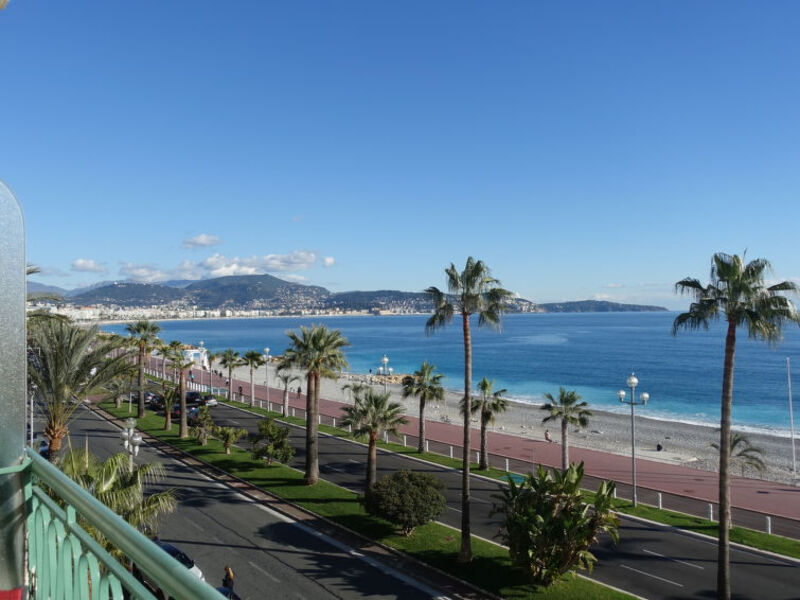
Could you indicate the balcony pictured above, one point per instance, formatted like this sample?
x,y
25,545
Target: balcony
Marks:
x,y
64,562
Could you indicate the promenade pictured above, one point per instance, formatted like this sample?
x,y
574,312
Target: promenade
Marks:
x,y
682,488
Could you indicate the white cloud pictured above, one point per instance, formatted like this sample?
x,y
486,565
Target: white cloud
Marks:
x,y
328,261
88,265
203,240
603,296
220,265
187,270
142,273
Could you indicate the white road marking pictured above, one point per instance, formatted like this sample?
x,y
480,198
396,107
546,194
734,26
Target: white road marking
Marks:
x,y
651,575
353,460
236,422
268,574
455,509
683,562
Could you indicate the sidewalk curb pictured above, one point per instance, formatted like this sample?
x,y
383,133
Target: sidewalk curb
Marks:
x,y
251,491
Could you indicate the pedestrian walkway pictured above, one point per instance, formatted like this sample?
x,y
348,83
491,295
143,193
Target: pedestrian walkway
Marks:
x,y
758,496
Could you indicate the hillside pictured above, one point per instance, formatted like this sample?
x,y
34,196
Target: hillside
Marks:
x,y
596,306
130,294
255,291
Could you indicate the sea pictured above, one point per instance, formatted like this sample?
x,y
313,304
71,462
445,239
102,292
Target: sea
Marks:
x,y
533,354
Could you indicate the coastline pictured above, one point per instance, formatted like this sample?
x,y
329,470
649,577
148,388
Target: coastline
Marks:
x,y
682,443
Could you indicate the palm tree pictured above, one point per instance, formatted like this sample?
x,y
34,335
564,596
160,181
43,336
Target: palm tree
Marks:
x,y
371,415
116,389
287,378
571,411
144,335
317,350
743,452
490,403
472,292
70,363
182,363
121,489
229,359
228,436
425,385
253,359
738,291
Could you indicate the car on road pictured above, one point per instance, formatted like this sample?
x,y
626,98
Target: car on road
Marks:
x,y
178,555
192,398
208,400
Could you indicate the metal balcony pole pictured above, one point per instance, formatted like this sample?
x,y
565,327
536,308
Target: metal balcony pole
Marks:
x,y
13,397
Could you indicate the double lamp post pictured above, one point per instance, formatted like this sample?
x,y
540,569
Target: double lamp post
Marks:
x,y
632,382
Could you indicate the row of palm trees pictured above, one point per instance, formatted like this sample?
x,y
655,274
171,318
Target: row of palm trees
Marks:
x,y
737,292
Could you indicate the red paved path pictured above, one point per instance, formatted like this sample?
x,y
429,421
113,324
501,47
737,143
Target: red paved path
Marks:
x,y
749,494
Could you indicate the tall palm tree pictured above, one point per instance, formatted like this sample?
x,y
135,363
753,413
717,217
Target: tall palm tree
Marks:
x,y
490,404
121,489
473,291
371,415
144,334
739,292
182,364
426,386
253,359
229,359
70,363
317,350
287,378
570,410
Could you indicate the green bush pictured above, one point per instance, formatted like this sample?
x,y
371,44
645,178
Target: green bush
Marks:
x,y
547,525
271,443
406,499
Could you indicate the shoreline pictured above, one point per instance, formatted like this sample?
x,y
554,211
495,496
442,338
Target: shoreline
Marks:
x,y
682,443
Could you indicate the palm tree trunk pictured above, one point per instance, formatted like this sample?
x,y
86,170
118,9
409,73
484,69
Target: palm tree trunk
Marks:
x,y
465,553
183,429
484,445
53,447
286,400
140,412
167,412
421,444
372,460
723,553
252,389
312,410
564,446
230,384
118,401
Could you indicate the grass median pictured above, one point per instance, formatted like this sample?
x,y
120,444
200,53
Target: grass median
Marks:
x,y
741,535
433,543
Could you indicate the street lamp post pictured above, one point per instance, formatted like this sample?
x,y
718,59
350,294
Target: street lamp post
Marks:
x,y
266,368
131,440
632,382
385,370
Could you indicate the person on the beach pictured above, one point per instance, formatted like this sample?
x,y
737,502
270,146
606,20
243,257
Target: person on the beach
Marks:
x,y
547,435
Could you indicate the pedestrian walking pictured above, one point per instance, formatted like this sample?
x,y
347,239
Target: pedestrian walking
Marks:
x,y
547,436
227,581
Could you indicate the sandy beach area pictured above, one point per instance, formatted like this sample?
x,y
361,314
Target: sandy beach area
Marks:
x,y
683,443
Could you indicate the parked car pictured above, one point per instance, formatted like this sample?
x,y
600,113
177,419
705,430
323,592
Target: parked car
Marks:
x,y
208,400
192,398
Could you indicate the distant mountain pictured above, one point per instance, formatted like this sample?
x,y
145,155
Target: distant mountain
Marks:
x,y
178,283
376,299
130,294
253,291
596,306
94,286
35,288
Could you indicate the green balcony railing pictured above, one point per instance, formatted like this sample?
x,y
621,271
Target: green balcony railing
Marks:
x,y
65,562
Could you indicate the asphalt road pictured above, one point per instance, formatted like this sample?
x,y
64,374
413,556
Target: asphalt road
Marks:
x,y
272,556
651,561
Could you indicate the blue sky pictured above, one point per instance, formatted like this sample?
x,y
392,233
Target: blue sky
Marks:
x,y
583,150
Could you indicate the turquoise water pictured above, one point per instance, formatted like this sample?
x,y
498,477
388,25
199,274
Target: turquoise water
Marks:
x,y
536,353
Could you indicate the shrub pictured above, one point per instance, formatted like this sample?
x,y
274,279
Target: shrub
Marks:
x,y
406,499
228,436
547,526
271,443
